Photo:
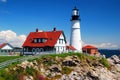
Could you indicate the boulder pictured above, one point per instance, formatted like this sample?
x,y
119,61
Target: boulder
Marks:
x,y
92,75
28,78
69,63
55,68
35,62
116,59
25,64
117,66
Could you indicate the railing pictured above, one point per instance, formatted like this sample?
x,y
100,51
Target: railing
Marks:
x,y
42,53
6,63
39,53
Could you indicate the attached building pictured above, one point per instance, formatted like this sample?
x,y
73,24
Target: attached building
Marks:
x,y
45,41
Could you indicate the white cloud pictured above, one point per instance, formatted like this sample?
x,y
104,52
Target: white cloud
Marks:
x,y
3,0
12,38
105,45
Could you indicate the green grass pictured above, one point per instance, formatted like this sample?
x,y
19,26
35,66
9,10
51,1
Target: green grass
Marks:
x,y
5,58
62,55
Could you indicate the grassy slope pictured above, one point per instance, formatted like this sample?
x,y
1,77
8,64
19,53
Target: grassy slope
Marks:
x,y
5,58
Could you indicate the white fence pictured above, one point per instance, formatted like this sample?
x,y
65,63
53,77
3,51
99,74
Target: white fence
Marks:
x,y
40,53
6,63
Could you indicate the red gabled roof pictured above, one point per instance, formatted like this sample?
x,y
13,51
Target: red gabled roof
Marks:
x,y
51,36
70,47
89,47
2,45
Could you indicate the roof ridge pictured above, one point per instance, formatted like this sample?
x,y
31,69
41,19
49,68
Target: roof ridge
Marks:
x,y
46,31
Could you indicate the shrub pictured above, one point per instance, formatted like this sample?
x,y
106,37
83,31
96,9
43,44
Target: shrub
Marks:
x,y
3,73
29,71
6,75
1,78
104,62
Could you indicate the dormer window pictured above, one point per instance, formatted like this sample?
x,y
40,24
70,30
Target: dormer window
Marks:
x,y
35,40
44,40
40,40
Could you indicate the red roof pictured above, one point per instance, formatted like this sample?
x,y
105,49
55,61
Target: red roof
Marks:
x,y
70,47
2,45
89,47
51,36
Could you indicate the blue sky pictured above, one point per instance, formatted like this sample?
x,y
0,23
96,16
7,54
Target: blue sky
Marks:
x,y
100,19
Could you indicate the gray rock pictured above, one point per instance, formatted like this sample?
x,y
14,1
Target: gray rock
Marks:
x,y
69,63
55,68
116,59
92,76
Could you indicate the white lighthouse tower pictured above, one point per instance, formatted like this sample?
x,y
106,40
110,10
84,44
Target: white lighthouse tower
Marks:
x,y
75,39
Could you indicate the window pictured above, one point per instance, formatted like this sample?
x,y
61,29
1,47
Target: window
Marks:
x,y
24,49
5,50
40,40
1,50
35,40
43,40
61,41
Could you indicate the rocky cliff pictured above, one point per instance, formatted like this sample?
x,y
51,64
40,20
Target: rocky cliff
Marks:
x,y
73,66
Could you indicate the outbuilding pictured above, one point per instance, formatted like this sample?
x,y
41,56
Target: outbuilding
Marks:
x,y
90,49
6,49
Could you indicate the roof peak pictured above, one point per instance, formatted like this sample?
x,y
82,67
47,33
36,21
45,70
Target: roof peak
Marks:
x,y
75,8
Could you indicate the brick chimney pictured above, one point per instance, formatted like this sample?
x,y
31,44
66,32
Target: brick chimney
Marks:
x,y
36,29
54,29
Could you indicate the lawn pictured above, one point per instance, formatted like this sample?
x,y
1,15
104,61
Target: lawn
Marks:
x,y
5,58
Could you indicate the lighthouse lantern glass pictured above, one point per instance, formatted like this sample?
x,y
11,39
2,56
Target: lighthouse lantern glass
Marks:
x,y
75,12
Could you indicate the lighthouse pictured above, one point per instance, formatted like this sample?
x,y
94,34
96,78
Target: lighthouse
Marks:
x,y
75,39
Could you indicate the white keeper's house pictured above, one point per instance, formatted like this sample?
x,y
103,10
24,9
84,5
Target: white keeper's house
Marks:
x,y
45,41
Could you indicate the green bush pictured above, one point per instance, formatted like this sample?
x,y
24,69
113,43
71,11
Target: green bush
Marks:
x,y
5,75
29,71
104,62
1,78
